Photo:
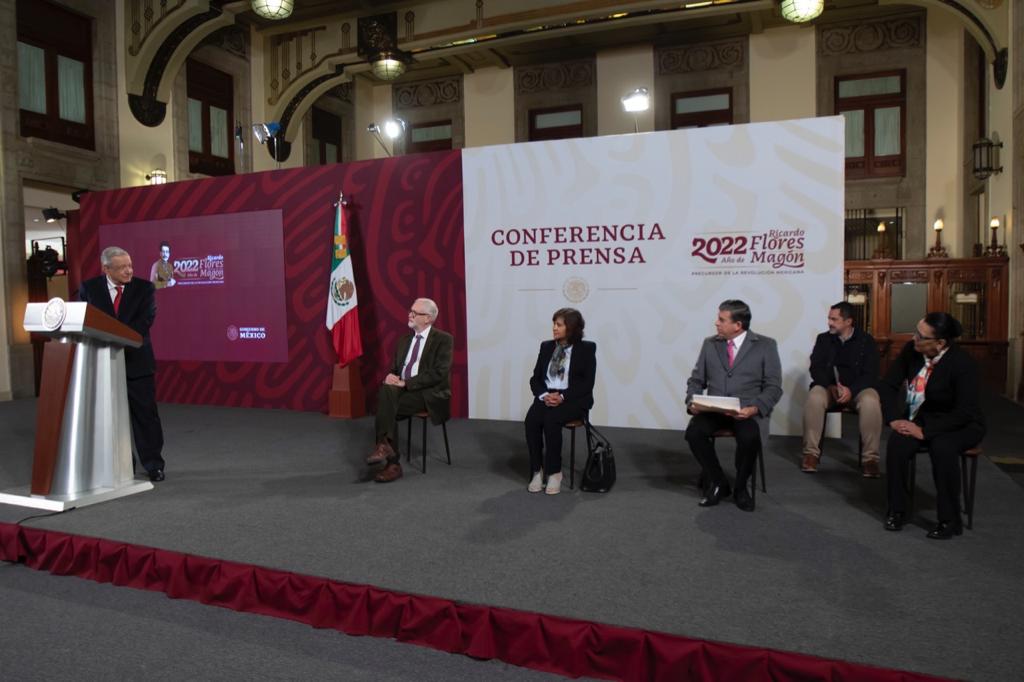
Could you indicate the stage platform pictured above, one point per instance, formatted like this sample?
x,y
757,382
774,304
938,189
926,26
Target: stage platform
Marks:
x,y
811,571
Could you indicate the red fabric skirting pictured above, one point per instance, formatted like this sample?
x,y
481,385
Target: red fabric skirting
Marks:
x,y
533,640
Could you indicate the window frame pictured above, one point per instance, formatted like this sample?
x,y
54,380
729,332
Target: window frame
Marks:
x,y
58,31
556,132
206,84
700,119
326,130
870,165
431,145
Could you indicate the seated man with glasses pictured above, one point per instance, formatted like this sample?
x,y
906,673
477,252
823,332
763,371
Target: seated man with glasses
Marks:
x,y
418,381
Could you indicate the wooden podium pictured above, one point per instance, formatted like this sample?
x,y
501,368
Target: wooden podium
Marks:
x,y
83,449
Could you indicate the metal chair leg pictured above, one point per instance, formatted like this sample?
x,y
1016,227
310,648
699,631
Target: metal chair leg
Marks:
x,y
572,458
408,441
760,463
447,451
969,480
424,445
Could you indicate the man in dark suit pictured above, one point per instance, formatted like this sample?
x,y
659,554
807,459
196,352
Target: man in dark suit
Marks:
x,y
844,373
133,302
418,381
737,363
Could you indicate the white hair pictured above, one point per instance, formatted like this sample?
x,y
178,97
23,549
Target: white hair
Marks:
x,y
110,253
431,307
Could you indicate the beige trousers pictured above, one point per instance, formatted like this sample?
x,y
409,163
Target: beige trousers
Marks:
x,y
869,412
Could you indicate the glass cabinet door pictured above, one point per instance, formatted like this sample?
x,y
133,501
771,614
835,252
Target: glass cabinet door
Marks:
x,y
967,304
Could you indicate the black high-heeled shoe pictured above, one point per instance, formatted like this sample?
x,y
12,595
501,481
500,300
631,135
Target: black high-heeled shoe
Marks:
x,y
894,521
944,530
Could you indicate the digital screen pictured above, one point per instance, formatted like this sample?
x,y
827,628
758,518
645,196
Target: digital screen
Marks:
x,y
220,284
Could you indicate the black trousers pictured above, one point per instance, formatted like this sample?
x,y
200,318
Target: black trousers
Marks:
x,y
944,451
394,402
147,432
748,440
544,433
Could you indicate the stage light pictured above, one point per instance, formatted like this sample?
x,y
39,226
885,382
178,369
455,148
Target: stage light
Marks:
x,y
393,128
76,196
637,101
799,11
157,176
266,131
52,214
273,9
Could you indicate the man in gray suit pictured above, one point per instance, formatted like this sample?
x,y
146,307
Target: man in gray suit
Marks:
x,y
737,363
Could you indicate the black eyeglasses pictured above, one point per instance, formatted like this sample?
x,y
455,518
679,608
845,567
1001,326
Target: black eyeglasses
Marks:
x,y
917,335
413,312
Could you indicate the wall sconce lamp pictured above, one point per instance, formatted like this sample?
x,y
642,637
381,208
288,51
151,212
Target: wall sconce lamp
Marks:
x,y
378,44
392,128
52,215
882,250
388,66
635,102
986,158
995,248
799,11
938,250
157,176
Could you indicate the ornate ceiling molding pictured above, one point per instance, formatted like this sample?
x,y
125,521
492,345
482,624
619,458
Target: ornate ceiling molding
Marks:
x,y
726,55
428,93
553,77
898,33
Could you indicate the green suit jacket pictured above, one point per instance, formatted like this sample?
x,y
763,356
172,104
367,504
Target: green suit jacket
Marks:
x,y
432,378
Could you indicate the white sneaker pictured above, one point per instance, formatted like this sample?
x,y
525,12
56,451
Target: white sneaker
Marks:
x,y
554,484
537,482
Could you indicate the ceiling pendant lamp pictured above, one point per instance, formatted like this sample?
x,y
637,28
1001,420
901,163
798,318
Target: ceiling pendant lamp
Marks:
x,y
799,11
273,9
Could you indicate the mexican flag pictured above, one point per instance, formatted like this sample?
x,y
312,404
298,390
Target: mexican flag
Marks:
x,y
342,319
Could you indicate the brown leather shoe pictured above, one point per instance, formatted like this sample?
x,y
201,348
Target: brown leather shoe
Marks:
x,y
810,464
382,453
391,472
871,469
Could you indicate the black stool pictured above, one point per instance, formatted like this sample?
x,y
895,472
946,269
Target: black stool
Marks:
x,y
424,417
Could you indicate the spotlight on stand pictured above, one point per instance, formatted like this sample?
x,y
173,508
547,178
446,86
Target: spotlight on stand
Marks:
x,y
264,133
52,214
635,102
392,128
49,261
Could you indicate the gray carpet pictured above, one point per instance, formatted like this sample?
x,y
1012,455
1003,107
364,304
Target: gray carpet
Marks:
x,y
811,570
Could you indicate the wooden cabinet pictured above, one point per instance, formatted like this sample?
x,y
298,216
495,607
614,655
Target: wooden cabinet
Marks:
x,y
890,296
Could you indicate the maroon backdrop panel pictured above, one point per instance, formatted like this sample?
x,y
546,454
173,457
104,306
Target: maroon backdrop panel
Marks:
x,y
406,234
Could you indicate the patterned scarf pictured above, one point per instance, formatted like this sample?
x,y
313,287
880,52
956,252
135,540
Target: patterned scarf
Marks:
x,y
556,368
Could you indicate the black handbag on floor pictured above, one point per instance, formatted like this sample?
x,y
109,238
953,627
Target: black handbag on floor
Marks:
x,y
599,471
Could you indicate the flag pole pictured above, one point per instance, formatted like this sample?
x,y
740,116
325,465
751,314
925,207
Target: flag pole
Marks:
x,y
346,399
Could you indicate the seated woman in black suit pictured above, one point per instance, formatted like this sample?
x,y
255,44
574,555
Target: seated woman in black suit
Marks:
x,y
930,395
563,390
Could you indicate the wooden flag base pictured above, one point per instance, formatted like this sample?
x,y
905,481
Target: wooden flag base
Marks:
x,y
346,397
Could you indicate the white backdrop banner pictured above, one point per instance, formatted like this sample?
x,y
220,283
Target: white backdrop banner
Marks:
x,y
645,235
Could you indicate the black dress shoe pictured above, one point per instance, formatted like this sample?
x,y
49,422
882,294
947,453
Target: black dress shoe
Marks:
x,y
714,494
743,499
157,475
944,530
894,521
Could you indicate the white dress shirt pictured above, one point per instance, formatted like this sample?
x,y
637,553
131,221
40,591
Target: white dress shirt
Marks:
x,y
423,343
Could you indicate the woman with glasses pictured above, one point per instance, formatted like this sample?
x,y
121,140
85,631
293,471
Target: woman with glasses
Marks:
x,y
931,401
562,386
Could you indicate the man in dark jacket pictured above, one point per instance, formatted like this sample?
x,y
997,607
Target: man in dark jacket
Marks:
x,y
132,301
844,373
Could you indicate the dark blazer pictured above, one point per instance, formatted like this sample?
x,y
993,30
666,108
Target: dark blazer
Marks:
x,y
755,376
433,375
137,310
582,372
950,396
857,360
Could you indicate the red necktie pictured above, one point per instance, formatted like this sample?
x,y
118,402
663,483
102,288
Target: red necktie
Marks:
x,y
117,299
407,372
731,348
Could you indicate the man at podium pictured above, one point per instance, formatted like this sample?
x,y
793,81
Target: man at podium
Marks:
x,y
133,302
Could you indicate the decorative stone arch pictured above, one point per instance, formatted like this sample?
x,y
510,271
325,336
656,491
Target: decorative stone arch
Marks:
x,y
152,65
970,14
